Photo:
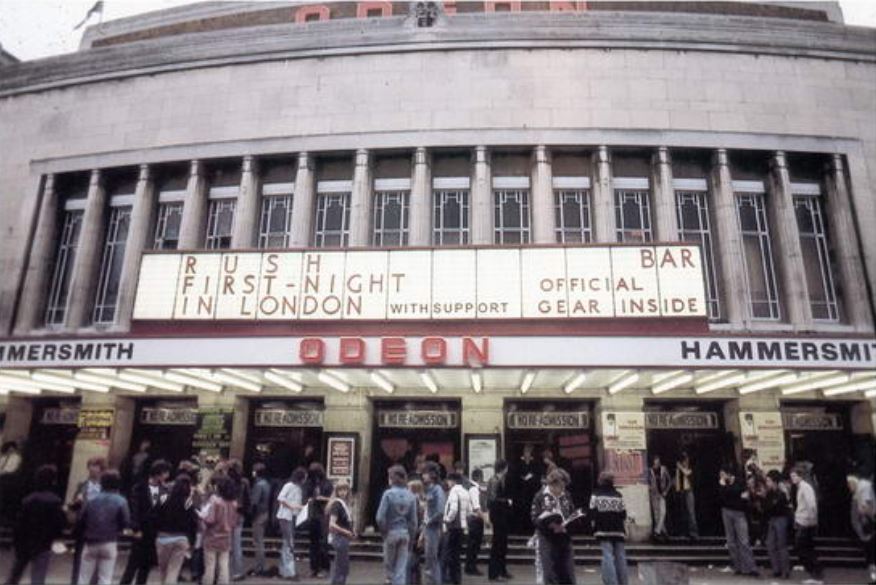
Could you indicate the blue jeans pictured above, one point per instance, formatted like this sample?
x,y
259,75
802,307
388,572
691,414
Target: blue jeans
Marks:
x,y
736,532
341,566
614,562
287,550
777,546
395,556
432,555
237,549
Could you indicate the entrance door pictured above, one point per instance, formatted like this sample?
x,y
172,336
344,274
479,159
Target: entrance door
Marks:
x,y
166,429
284,434
53,433
539,435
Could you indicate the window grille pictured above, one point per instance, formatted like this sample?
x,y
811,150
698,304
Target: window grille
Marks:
x,y
817,258
390,218
763,290
450,222
694,225
572,216
275,229
59,291
220,220
167,226
511,216
107,298
332,226
633,215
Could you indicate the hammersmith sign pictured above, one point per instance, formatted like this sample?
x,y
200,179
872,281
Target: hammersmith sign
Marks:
x,y
580,282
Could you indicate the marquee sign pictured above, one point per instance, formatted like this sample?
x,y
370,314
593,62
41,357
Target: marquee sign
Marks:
x,y
812,421
580,282
169,416
60,416
417,419
281,417
681,420
522,419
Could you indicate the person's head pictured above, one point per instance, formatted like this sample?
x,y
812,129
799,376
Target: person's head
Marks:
x,y
454,478
260,471
96,466
852,480
556,482
316,471
9,447
501,466
145,445
606,479
431,473
308,450
477,475
685,458
527,449
416,487
298,476
159,471
773,479
342,490
45,477
459,467
182,487
419,462
655,462
110,481
226,489
397,476
235,469
547,455
797,475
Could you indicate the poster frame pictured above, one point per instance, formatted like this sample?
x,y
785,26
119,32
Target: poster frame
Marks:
x,y
328,439
469,438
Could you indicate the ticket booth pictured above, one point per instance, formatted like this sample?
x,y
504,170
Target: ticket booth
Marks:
x,y
539,433
405,432
284,434
168,425
673,428
54,427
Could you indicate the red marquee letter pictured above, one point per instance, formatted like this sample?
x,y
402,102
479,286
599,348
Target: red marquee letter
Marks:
x,y
352,350
433,351
393,350
472,355
312,350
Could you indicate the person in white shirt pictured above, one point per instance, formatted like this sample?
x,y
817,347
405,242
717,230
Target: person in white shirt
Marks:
x,y
863,514
287,513
457,509
476,494
805,526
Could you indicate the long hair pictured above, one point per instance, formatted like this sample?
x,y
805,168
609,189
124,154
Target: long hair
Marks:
x,y
341,484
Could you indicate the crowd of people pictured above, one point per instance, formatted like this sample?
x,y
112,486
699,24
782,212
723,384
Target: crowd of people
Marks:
x,y
188,521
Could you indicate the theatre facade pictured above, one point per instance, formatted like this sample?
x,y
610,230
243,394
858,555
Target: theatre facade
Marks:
x,y
364,232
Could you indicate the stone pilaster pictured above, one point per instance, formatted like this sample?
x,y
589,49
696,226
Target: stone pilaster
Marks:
x,y
142,218
86,448
194,216
788,254
238,428
604,223
86,266
665,217
838,209
482,198
542,197
361,201
246,215
32,303
421,200
737,308
353,412
302,202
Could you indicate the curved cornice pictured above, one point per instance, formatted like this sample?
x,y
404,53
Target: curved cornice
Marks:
x,y
606,30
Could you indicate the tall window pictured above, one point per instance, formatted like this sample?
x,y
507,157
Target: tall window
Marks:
x,y
111,265
275,228
817,259
391,218
450,222
511,216
632,210
762,288
220,220
572,215
692,210
59,291
332,226
167,226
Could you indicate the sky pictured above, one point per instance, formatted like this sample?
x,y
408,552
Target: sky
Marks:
x,y
32,29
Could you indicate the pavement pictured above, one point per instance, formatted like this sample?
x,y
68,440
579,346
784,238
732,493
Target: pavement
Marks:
x,y
369,572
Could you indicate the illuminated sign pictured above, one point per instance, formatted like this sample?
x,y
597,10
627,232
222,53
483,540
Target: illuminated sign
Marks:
x,y
417,419
281,417
548,420
681,420
582,282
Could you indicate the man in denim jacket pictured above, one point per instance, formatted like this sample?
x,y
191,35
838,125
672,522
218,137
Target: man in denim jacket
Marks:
x,y
397,520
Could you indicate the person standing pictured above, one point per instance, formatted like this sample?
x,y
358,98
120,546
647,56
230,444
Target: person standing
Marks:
x,y
863,514
500,506
415,550
260,508
144,501
777,512
289,505
241,487
100,525
85,492
435,500
684,485
457,509
805,526
317,491
550,509
608,515
397,521
219,518
10,484
475,523
176,525
733,506
659,484
40,521
340,531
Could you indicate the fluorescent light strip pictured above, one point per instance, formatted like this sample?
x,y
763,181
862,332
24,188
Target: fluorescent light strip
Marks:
x,y
768,383
246,375
17,386
816,382
294,375
429,381
526,383
477,382
575,383
330,380
870,393
625,381
659,377
150,378
69,383
382,382
113,382
851,387
232,380
723,382
283,381
671,383
711,376
187,379
10,379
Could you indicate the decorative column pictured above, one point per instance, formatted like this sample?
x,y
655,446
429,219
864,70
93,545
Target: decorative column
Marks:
x,y
482,198
737,309
142,214
246,215
665,218
194,216
789,255
361,201
604,224
845,245
86,265
302,202
39,266
421,200
542,197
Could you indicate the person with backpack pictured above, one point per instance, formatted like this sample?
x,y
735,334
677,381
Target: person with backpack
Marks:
x,y
101,524
608,515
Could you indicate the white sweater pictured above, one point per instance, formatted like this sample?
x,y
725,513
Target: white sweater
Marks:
x,y
807,506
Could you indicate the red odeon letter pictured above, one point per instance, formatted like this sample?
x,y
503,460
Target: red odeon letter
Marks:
x,y
312,350
472,355
433,351
393,350
352,350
